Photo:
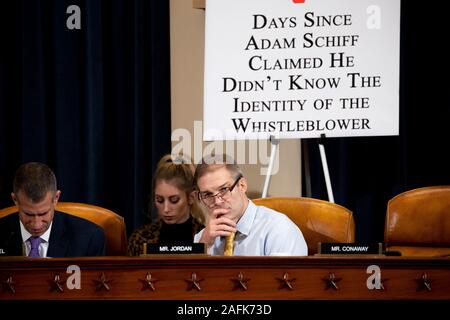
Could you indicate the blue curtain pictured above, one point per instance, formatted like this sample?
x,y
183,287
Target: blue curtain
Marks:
x,y
367,171
93,103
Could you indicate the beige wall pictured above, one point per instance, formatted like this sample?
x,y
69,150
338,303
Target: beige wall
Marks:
x,y
187,27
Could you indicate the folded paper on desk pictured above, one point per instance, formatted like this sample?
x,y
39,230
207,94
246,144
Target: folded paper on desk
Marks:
x,y
176,248
350,248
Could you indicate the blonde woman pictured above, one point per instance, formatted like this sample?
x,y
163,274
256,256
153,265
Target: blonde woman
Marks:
x,y
179,217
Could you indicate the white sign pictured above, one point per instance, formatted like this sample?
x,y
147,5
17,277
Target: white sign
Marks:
x,y
299,69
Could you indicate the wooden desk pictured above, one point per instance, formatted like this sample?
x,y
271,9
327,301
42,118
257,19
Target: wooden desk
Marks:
x,y
224,278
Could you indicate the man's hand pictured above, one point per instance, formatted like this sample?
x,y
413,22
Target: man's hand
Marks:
x,y
218,225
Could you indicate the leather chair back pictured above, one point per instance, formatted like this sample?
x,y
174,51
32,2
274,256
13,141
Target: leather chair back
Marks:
x,y
319,220
418,222
112,223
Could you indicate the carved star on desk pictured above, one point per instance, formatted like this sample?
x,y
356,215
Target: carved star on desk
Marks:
x,y
331,281
286,282
102,283
424,282
9,284
240,282
56,284
194,282
148,282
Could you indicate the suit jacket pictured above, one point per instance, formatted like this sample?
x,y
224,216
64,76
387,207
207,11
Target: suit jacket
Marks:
x,y
70,237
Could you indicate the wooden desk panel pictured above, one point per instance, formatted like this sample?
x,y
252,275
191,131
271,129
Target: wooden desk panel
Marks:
x,y
217,278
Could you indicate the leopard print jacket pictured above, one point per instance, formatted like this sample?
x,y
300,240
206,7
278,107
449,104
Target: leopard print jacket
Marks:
x,y
150,233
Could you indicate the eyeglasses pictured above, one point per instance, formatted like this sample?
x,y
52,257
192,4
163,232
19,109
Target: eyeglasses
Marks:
x,y
208,198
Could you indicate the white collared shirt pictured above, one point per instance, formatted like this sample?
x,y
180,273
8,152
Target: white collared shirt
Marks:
x,y
43,247
262,232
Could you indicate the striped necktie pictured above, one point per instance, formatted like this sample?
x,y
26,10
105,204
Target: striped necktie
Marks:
x,y
229,245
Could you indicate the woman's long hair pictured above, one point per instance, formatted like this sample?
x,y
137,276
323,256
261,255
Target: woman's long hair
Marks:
x,y
179,171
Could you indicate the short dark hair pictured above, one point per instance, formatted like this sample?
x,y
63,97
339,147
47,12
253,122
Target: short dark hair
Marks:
x,y
35,180
213,162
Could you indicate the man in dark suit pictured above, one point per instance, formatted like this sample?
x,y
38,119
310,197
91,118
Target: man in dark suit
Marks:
x,y
37,230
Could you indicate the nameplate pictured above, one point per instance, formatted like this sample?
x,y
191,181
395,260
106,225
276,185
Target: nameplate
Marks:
x,y
179,248
350,248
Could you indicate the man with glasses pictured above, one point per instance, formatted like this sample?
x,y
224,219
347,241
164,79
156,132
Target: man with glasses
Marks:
x,y
257,230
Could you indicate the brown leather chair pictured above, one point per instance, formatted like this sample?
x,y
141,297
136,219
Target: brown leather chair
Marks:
x,y
112,223
319,220
418,222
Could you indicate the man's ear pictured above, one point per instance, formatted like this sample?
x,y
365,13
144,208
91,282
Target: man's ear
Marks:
x,y
243,184
57,195
15,199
